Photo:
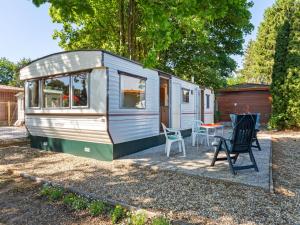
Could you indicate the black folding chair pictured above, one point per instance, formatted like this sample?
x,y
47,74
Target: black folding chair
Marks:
x,y
240,142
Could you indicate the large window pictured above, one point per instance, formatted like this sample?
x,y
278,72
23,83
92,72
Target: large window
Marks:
x,y
56,92
185,95
80,90
33,93
207,101
133,90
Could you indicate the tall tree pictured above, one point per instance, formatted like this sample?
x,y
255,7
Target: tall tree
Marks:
x,y
286,70
7,69
188,37
9,72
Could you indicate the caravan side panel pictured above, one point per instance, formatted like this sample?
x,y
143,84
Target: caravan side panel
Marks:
x,y
131,124
188,111
209,106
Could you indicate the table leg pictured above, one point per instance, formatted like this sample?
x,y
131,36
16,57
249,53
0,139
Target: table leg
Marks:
x,y
207,136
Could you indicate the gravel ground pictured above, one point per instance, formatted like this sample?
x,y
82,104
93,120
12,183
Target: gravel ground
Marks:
x,y
186,199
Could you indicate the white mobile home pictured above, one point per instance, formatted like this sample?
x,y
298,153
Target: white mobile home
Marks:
x,y
96,104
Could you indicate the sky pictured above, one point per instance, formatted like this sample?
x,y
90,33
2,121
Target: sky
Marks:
x,y
26,31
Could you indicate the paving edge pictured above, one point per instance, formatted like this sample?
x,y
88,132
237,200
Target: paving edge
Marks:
x,y
271,184
150,214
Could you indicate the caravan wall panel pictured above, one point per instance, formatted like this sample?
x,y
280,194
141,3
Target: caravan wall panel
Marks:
x,y
209,112
79,128
131,124
188,111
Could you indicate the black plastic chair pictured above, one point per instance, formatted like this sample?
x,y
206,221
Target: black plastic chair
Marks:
x,y
240,142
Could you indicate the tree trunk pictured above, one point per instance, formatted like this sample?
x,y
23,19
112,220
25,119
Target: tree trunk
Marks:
x,y
122,26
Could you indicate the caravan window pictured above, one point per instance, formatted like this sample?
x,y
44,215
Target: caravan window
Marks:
x,y
133,90
207,101
56,92
185,95
33,93
80,84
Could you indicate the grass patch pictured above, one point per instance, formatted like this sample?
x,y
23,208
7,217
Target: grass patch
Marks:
x,y
137,219
117,214
160,221
75,202
53,193
97,208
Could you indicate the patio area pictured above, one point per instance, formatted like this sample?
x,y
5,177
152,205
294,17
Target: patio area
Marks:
x,y
197,162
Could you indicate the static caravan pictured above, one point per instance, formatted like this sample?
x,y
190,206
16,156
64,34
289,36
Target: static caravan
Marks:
x,y
96,104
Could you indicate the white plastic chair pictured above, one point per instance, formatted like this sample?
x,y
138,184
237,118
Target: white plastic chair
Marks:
x,y
197,131
172,136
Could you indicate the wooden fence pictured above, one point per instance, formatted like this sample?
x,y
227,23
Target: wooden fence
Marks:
x,y
8,113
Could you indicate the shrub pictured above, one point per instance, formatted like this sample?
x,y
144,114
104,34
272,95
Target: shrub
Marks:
x,y
117,214
69,199
137,219
96,208
53,193
160,221
75,202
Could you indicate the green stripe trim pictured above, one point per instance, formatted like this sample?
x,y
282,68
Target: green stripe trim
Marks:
x,y
131,147
92,150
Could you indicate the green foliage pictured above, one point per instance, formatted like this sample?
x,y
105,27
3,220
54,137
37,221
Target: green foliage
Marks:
x,y
9,72
285,87
274,58
53,193
137,219
188,38
75,202
160,221
117,214
97,207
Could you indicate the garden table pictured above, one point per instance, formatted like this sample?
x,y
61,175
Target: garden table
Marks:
x,y
213,127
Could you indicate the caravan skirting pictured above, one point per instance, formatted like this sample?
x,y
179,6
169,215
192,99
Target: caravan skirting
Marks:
x,y
99,151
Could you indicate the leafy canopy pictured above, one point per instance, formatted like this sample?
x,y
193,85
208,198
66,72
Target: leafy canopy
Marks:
x,y
9,71
185,37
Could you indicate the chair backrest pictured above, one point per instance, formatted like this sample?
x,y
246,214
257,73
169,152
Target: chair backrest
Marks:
x,y
243,132
165,129
233,118
196,125
257,124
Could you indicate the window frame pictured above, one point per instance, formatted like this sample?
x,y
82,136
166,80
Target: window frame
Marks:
x,y
185,89
70,90
207,101
39,94
88,73
122,73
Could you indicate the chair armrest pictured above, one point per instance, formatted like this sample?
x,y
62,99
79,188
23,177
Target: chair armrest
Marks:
x,y
222,138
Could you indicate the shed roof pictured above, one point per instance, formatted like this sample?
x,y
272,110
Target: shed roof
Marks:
x,y
245,87
10,88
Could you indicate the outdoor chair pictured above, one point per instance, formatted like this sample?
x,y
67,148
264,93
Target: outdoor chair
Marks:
x,y
197,131
172,136
255,142
239,143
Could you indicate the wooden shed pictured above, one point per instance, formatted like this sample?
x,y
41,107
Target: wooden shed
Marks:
x,y
244,98
8,104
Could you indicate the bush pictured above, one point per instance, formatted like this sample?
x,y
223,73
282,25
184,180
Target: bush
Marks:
x,y
117,214
53,193
75,202
96,208
160,221
137,219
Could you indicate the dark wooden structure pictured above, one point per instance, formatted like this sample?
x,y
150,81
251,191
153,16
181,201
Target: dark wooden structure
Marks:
x,y
244,98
